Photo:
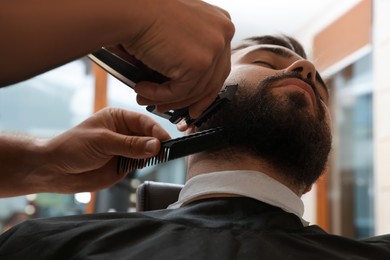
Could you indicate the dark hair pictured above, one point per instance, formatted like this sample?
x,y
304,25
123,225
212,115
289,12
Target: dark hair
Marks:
x,y
281,40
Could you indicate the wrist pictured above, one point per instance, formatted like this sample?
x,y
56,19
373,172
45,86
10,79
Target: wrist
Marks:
x,y
22,160
37,177
137,20
121,21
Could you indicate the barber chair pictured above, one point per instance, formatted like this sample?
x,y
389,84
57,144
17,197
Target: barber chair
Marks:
x,y
156,195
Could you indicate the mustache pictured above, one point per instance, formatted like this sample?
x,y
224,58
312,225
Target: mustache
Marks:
x,y
271,80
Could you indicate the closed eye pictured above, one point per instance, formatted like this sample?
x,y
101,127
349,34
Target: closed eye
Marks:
x,y
265,64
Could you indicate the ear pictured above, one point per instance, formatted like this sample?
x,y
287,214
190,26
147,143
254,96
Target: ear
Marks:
x,y
307,189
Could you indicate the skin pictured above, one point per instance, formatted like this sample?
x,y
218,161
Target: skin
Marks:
x,y
80,159
250,66
166,35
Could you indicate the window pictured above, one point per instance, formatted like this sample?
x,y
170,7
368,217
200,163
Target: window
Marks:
x,y
352,170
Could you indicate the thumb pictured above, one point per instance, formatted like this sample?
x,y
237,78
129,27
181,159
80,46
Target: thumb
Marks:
x,y
133,146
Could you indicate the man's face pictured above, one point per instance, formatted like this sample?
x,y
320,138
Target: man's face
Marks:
x,y
256,63
280,111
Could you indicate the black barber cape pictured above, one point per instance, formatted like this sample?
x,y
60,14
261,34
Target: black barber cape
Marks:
x,y
223,228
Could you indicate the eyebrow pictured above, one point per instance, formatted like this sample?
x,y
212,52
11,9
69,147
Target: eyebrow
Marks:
x,y
285,54
275,50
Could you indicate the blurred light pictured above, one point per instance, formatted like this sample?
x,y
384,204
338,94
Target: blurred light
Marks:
x,y
31,197
133,198
83,197
135,183
29,209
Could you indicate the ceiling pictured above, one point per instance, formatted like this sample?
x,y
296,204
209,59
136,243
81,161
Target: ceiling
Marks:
x,y
298,18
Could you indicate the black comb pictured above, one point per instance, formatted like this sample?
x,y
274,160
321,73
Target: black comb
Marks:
x,y
176,148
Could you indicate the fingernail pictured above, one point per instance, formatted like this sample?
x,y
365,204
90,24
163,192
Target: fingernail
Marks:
x,y
151,146
181,124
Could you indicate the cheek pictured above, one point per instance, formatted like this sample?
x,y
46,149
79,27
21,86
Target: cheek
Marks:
x,y
246,75
327,115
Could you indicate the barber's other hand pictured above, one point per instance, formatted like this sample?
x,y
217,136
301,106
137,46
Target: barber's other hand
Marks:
x,y
84,158
189,42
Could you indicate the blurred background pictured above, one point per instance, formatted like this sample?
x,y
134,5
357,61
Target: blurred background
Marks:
x,y
348,40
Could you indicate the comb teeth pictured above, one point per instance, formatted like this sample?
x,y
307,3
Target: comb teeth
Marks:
x,y
176,148
126,165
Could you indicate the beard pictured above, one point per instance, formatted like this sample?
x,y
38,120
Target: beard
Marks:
x,y
280,130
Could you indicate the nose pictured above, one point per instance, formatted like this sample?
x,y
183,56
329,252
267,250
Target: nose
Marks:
x,y
303,67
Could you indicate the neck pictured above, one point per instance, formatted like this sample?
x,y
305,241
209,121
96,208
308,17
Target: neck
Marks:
x,y
203,163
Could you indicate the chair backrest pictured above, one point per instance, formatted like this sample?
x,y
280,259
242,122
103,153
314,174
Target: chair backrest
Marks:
x,y
156,195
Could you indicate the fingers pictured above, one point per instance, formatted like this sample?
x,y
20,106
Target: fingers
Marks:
x,y
197,94
196,65
133,123
182,126
217,79
132,146
133,134
92,147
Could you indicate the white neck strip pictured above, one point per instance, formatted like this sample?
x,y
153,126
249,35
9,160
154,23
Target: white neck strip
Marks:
x,y
252,184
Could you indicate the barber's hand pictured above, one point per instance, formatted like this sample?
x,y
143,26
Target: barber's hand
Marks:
x,y
84,158
189,42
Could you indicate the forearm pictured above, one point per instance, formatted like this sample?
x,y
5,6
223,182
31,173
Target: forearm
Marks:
x,y
21,159
41,35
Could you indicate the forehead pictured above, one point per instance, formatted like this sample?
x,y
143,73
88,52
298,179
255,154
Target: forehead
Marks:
x,y
271,48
